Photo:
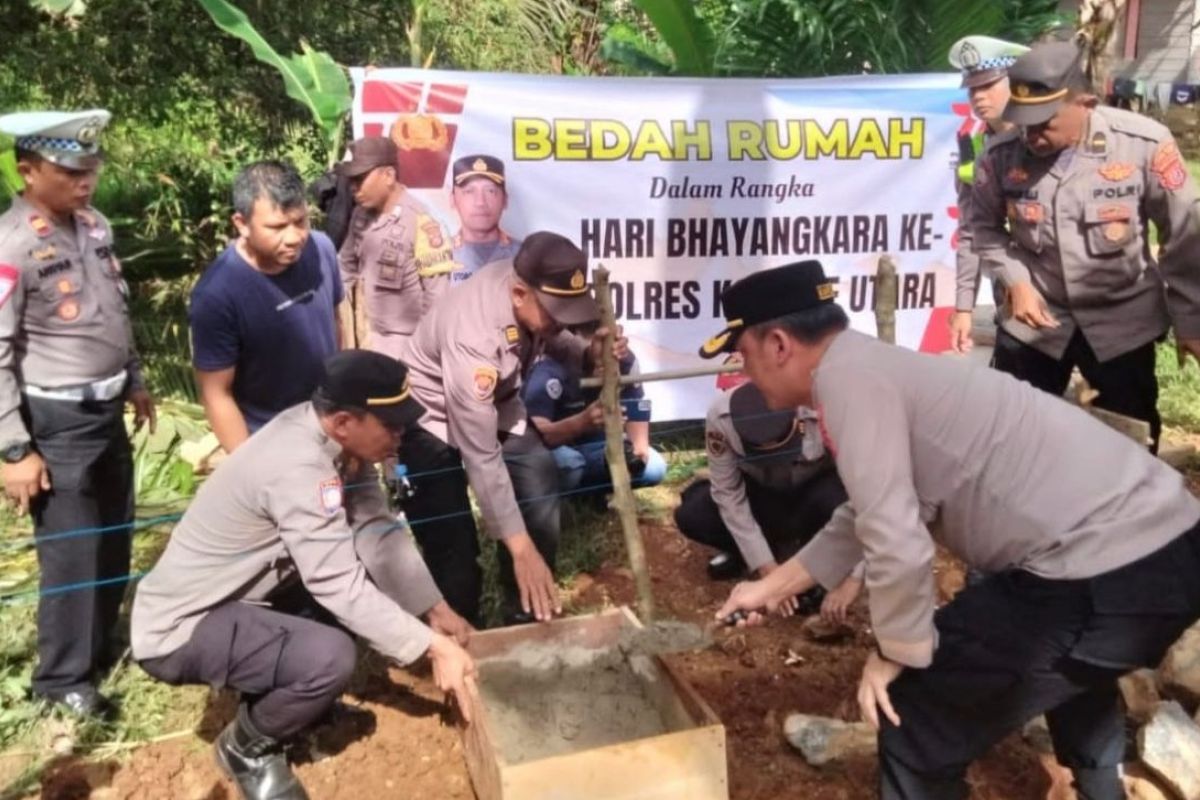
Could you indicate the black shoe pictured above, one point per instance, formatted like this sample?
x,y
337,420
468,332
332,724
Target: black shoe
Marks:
x,y
86,703
256,762
726,567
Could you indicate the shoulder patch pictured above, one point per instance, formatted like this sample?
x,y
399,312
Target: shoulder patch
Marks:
x,y
1168,165
554,388
715,442
330,493
485,379
9,275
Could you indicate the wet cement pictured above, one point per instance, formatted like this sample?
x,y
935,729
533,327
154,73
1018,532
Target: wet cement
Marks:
x,y
545,700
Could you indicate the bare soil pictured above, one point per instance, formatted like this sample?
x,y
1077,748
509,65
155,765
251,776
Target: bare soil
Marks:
x,y
407,745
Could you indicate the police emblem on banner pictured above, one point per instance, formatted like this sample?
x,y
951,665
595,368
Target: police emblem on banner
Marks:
x,y
330,492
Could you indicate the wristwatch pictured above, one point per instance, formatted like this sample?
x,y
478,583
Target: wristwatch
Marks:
x,y
16,452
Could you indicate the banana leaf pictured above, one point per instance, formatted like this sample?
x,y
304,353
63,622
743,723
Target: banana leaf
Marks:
x,y
689,37
311,77
62,8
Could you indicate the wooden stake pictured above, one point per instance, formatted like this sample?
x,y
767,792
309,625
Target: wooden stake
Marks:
x,y
887,294
614,449
666,375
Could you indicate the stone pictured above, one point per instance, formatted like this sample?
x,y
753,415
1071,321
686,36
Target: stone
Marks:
x,y
1139,690
1169,746
818,630
822,740
1179,674
1141,785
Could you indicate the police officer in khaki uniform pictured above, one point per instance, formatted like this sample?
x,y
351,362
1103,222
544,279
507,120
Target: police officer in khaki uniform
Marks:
x,y
67,368
468,359
480,196
289,545
395,247
772,484
1090,570
984,63
1061,215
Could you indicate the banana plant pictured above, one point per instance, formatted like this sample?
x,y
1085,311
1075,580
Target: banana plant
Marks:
x,y
310,77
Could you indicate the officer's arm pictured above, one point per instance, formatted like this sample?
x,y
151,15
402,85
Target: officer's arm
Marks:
x,y
224,416
12,308
987,221
386,547
474,429
867,424
967,266
729,493
1172,204
349,265
306,505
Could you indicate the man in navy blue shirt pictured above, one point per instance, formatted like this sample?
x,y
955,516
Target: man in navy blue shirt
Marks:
x,y
264,315
572,425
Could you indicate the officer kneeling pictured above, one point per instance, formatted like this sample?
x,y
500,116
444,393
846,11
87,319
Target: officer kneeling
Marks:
x,y
1090,544
296,517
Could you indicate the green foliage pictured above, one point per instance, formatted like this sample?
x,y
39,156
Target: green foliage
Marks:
x,y
162,476
1178,389
690,39
312,78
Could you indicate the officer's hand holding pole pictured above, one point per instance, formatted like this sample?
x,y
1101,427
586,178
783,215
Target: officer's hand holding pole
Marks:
x,y
877,675
620,347
453,672
25,480
960,332
143,409
1029,307
535,581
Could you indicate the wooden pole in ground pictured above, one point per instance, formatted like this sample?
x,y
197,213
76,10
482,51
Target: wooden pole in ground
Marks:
x,y
666,375
887,294
614,449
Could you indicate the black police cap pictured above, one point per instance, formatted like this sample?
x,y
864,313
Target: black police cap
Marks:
x,y
1041,80
558,271
482,166
372,382
767,295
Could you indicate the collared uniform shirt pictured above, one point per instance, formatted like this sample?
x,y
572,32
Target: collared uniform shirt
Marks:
x,y
967,263
285,507
403,257
64,315
467,360
1076,226
730,466
470,257
1020,479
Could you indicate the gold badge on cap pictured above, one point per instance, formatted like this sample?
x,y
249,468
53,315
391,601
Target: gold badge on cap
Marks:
x,y
89,131
1021,90
825,291
479,165
578,281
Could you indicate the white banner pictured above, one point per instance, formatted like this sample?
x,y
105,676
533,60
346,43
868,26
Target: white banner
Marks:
x,y
679,186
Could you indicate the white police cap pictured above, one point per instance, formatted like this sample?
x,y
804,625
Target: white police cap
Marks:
x,y
70,139
983,59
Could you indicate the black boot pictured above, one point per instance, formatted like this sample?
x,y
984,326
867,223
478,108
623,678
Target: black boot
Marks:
x,y
256,762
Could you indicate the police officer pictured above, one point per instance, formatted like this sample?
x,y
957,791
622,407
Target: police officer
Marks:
x,y
480,196
396,247
468,359
286,547
1089,571
67,368
984,63
1061,214
772,485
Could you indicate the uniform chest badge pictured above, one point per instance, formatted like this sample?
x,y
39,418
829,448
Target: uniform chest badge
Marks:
x,y
1168,166
1113,212
66,286
1016,175
1030,212
330,493
68,310
9,275
485,379
46,253
512,334
41,226
715,442
1116,231
1116,171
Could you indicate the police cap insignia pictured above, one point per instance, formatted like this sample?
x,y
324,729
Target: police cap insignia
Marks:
x,y
578,281
479,165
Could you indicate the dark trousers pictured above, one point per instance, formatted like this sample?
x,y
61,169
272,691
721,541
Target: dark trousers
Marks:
x,y
1014,646
441,520
1127,384
789,518
84,574
290,669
